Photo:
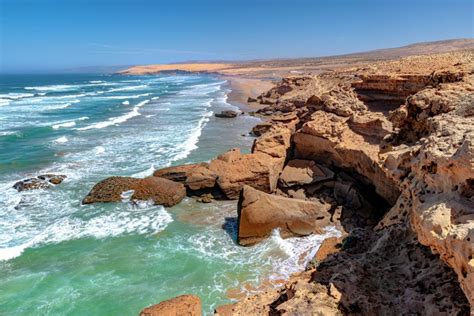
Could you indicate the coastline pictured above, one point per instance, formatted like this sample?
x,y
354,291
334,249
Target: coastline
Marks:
x,y
242,88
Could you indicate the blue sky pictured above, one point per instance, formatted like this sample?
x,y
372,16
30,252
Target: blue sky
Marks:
x,y
47,35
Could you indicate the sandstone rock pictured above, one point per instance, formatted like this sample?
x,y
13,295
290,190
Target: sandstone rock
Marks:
x,y
251,100
301,172
329,138
259,213
159,190
437,172
261,128
329,246
275,142
235,170
178,173
195,176
184,305
226,114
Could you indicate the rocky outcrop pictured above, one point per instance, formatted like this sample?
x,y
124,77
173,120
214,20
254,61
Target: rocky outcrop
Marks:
x,y
159,190
333,140
184,305
235,170
391,90
419,158
196,177
275,143
259,213
226,114
388,272
304,172
44,181
438,173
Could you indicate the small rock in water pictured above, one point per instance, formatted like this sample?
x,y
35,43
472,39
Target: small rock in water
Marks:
x,y
53,178
226,114
41,182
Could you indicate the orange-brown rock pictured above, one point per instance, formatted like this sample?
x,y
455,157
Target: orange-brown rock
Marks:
x,y
275,142
329,246
159,190
301,172
235,170
259,213
438,173
299,296
195,176
184,305
261,128
330,139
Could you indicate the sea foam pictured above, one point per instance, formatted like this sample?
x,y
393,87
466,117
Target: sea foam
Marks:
x,y
117,120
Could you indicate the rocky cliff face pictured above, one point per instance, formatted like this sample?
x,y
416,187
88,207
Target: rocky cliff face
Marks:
x,y
386,153
401,131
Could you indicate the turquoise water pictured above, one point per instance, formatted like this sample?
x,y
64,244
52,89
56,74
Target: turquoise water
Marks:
x,y
58,257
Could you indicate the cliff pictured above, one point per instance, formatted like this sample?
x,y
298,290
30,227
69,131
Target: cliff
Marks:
x,y
383,151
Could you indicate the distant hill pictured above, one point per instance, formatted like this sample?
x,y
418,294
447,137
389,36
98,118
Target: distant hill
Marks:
x,y
280,67
423,48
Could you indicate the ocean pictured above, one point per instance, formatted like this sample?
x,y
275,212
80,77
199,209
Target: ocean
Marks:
x,y
58,257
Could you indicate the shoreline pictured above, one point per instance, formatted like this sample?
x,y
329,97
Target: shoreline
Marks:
x,y
242,88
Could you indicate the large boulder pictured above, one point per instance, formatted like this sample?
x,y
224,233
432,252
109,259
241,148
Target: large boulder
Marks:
x,y
195,176
161,191
235,170
302,172
259,213
184,305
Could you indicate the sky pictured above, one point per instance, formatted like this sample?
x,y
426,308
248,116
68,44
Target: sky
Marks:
x,y
50,35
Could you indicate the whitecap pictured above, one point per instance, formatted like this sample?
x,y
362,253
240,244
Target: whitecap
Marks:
x,y
12,252
119,97
59,87
15,95
140,218
99,150
61,140
66,124
191,143
70,123
126,102
145,173
116,120
4,102
130,88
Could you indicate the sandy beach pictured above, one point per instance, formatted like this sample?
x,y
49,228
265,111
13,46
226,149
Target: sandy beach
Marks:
x,y
243,88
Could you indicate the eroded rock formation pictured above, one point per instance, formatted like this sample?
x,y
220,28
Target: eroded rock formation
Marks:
x,y
184,305
259,213
159,190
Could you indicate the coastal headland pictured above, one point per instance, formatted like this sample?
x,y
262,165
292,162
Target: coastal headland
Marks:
x,y
379,145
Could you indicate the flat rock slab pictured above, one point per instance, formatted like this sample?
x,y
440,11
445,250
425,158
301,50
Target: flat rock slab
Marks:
x,y
194,176
184,305
235,170
301,172
259,213
161,191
